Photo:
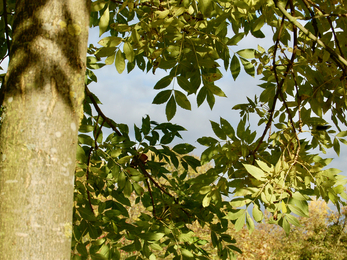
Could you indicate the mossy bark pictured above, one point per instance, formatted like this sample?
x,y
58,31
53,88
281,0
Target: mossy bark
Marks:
x,y
43,95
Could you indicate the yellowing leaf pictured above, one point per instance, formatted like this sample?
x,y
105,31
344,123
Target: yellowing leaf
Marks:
x,y
120,62
128,51
284,208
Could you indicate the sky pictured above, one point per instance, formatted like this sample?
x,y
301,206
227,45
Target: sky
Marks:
x,y
126,98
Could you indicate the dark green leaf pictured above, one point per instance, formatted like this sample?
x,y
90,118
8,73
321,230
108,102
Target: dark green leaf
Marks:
x,y
227,128
162,97
170,108
218,131
183,148
163,83
182,100
235,67
185,84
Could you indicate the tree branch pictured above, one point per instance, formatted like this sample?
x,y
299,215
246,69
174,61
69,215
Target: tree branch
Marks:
x,y
340,60
97,108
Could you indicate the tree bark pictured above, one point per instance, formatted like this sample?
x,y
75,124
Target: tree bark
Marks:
x,y
43,95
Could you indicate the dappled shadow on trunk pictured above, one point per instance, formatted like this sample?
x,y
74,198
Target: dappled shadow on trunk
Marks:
x,y
47,46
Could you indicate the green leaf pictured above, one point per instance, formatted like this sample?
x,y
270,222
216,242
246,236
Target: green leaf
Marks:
x,y
163,83
162,97
298,211
235,215
336,146
201,96
293,220
183,148
235,67
111,41
207,141
129,51
249,223
182,100
227,128
86,213
187,253
110,59
81,248
248,66
105,52
215,90
205,6
170,108
240,222
235,39
342,134
247,53
207,199
151,236
218,131
104,21
80,154
214,239
120,62
255,172
285,225
86,128
128,189
257,213
138,189
185,84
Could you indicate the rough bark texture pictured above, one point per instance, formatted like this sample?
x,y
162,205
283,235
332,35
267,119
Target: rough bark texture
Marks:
x,y
43,104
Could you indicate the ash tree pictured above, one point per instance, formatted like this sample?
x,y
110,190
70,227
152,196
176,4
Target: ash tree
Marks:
x,y
301,111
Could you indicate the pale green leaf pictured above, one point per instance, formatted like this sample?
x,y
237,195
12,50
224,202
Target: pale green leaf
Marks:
x,y
235,215
249,223
255,172
257,213
293,220
246,53
240,222
104,21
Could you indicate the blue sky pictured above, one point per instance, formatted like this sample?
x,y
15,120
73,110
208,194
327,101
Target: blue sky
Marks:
x,y
127,98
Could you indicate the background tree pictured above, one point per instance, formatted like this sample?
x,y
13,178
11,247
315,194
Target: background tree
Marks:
x,y
304,78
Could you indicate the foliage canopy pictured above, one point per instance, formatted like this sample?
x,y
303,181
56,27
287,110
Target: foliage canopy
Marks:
x,y
303,81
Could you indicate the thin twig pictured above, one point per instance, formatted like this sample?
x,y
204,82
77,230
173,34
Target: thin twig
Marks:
x,y
337,58
97,108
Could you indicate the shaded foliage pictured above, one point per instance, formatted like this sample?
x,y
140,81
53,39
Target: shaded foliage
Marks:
x,y
277,168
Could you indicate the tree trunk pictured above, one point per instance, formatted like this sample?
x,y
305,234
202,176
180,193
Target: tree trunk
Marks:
x,y
43,95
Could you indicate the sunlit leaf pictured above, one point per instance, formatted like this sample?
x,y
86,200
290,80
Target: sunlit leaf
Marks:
x,y
104,21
